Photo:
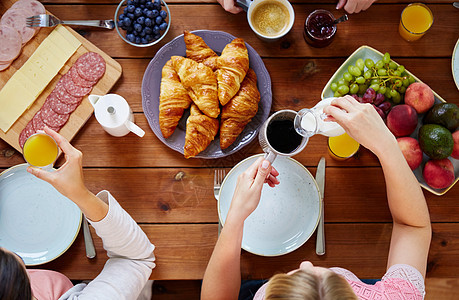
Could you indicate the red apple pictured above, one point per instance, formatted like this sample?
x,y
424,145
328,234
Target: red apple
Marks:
x,y
402,120
411,151
439,173
419,96
455,153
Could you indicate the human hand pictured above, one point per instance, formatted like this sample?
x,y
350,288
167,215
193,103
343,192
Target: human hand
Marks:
x,y
354,6
230,6
68,179
248,188
362,122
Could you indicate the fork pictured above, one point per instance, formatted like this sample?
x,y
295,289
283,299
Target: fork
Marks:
x,y
218,179
45,20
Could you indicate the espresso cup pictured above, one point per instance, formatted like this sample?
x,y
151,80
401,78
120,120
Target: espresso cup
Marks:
x,y
269,19
278,136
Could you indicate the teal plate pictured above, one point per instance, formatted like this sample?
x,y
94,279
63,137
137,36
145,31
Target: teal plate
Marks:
x,y
36,221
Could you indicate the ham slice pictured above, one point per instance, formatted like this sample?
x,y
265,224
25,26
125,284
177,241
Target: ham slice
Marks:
x,y
10,44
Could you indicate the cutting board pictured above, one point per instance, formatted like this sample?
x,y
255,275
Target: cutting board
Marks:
x,y
84,111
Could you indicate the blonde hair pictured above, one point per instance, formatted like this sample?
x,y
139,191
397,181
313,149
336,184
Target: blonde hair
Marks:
x,y
308,286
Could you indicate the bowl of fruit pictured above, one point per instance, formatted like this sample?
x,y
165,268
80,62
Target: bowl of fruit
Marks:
x,y
142,23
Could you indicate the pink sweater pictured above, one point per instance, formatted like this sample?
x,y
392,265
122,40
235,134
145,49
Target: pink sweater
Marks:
x,y
399,282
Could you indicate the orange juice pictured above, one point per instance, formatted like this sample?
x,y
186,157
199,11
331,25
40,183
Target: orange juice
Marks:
x,y
40,150
342,146
415,21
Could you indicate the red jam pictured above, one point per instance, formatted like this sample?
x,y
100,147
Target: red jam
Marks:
x,y
319,29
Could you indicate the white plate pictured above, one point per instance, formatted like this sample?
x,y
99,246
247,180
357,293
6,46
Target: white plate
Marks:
x,y
36,221
286,216
455,64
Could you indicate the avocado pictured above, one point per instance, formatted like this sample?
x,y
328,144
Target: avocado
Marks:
x,y
436,141
444,114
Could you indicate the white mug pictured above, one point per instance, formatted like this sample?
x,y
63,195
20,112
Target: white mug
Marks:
x,y
114,114
251,6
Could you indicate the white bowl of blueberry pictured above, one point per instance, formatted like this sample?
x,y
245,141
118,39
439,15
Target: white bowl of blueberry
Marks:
x,y
142,23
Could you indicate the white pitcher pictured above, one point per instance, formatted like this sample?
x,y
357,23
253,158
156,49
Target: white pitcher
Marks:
x,y
114,114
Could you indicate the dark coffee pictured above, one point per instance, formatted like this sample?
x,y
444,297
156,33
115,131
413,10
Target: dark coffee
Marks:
x,y
282,136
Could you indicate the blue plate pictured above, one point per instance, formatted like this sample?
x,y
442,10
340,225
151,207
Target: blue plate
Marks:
x,y
36,221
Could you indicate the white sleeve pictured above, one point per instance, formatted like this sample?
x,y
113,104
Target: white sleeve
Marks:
x,y
130,253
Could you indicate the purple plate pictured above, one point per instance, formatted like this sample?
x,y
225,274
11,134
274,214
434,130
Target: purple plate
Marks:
x,y
216,40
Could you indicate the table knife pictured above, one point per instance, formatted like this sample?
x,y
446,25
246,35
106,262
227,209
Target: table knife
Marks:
x,y
89,245
320,179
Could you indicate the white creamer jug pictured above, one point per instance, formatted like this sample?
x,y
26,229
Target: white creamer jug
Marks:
x,y
310,121
114,114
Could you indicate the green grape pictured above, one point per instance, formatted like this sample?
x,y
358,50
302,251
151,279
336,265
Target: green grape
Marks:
x,y
354,71
386,58
334,86
360,64
402,90
375,87
392,65
401,69
397,73
369,63
343,82
387,94
397,98
362,88
382,72
382,89
411,79
343,89
337,94
398,83
405,82
360,80
379,64
348,77
367,74
354,88
393,93
374,81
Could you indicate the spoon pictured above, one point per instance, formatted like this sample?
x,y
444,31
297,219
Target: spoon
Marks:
x,y
341,19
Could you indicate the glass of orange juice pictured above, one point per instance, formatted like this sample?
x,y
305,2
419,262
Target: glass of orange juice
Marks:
x,y
342,147
40,150
416,19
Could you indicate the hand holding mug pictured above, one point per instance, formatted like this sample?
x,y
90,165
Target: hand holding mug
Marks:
x,y
230,6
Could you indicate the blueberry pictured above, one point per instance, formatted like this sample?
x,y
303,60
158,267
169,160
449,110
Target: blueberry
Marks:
x,y
127,21
135,33
141,20
144,41
121,23
149,5
148,30
137,40
148,22
137,27
130,2
157,36
130,37
130,8
163,26
130,16
157,4
145,11
149,37
142,1
156,29
158,20
125,10
138,12
163,14
142,33
135,1
155,13
142,6
120,17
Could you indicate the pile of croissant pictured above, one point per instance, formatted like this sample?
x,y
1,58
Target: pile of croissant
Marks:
x,y
202,82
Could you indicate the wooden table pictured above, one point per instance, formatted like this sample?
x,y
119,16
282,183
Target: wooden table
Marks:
x,y
172,198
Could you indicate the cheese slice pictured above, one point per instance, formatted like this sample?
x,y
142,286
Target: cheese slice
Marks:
x,y
26,85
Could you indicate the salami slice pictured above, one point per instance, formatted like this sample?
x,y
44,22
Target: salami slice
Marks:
x,y
16,18
72,88
10,43
90,66
34,6
63,95
78,80
60,107
52,118
38,123
25,133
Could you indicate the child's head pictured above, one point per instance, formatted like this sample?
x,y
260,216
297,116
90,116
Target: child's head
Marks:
x,y
14,281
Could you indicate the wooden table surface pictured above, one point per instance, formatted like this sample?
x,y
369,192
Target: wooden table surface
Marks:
x,y
172,198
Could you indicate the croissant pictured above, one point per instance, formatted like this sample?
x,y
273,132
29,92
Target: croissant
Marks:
x,y
240,110
200,82
200,132
232,67
173,100
197,50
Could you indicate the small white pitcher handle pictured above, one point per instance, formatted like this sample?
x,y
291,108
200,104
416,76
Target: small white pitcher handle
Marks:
x,y
134,128
93,99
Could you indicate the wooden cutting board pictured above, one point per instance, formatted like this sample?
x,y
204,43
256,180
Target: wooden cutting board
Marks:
x,y
84,111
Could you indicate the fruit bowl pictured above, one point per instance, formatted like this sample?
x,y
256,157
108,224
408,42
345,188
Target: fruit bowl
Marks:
x,y
365,52
142,23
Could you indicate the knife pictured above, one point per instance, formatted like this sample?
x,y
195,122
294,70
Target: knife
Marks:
x,y
89,245
320,179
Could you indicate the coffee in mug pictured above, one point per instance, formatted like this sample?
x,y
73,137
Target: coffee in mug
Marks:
x,y
270,18
282,136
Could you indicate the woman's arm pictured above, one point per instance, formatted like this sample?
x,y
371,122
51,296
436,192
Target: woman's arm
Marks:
x,y
222,278
354,6
411,233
